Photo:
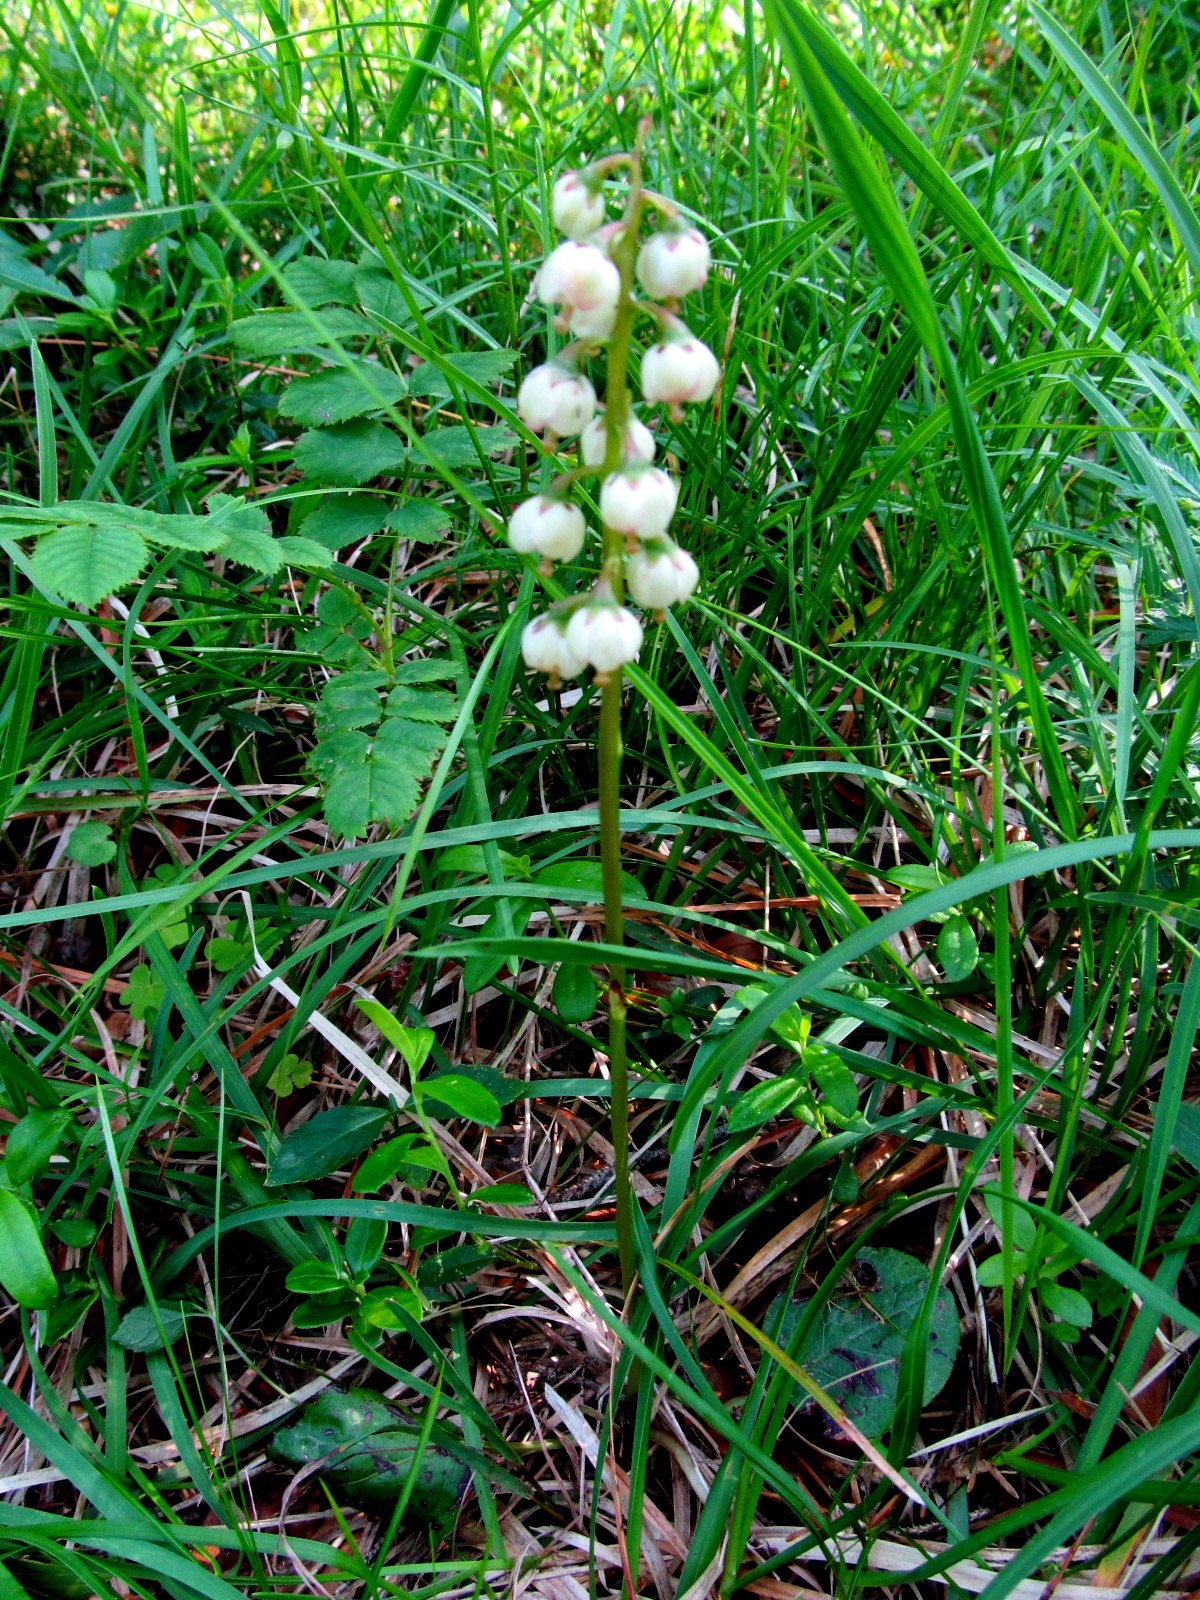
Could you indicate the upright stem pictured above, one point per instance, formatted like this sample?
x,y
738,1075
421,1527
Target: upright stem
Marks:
x,y
616,416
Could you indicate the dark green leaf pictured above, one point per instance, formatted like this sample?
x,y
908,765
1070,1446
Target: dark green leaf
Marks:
x,y
25,1272
463,1097
341,393
410,1150
752,1107
483,367
326,1142
418,520
137,1329
957,949
318,282
272,335
344,519
31,1143
575,993
351,453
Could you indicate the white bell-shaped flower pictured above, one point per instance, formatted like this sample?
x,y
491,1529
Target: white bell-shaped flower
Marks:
x,y
673,262
577,209
597,324
545,648
554,398
580,276
639,501
679,370
638,445
604,636
659,575
552,528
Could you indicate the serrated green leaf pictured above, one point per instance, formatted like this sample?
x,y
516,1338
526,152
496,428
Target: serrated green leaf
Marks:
x,y
484,367
275,334
351,453
418,520
427,669
454,447
91,844
422,705
379,781
247,533
319,282
298,551
344,519
341,393
350,701
87,564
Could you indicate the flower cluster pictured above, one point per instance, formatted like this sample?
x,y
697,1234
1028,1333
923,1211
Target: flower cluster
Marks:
x,y
583,279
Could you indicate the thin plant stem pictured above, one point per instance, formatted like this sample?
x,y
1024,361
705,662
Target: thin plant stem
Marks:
x,y
616,415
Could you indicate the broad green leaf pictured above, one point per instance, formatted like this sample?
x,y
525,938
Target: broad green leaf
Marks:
x,y
326,1142
414,1044
137,1329
350,453
419,520
87,564
833,1078
299,551
31,1143
91,844
453,1265
387,1308
206,257
409,1151
344,519
463,1096
1186,1137
957,949
25,1271
575,993
340,394
853,1350
366,1238
752,1107
1068,1305
990,1271
322,1310
313,1277
501,1194
247,531
424,669
470,859
368,1453
1022,1225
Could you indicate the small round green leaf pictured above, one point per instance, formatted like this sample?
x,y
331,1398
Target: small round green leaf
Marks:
x,y
575,993
25,1271
957,949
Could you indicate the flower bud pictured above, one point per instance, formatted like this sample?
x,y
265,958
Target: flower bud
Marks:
x,y
553,398
576,208
659,576
604,636
639,501
637,446
545,647
552,528
678,370
580,276
597,324
673,262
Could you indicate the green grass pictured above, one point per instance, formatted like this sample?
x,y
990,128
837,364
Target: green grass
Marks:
x,y
918,763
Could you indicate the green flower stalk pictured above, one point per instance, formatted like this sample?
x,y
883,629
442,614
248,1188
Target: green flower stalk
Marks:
x,y
591,278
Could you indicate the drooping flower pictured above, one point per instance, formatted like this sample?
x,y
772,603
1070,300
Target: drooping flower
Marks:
x,y
639,501
660,574
545,648
673,262
554,398
580,276
597,324
576,207
679,370
553,528
638,444
604,635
